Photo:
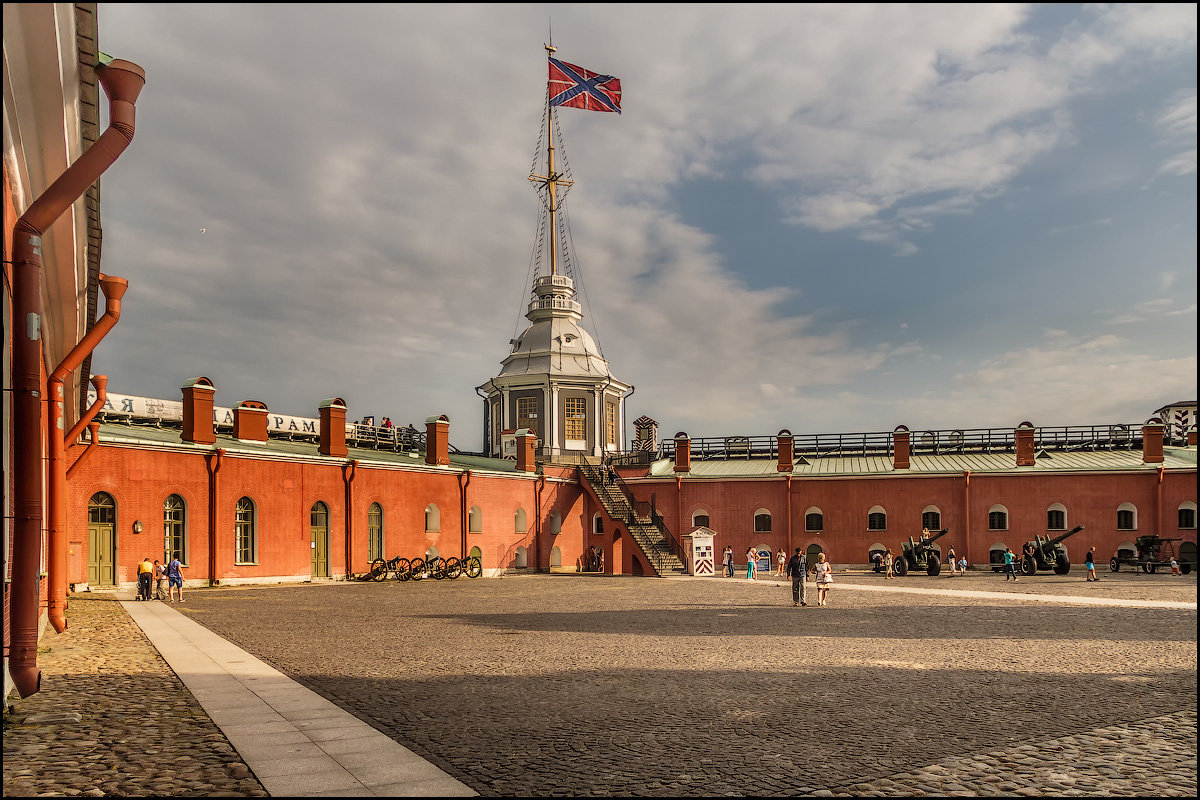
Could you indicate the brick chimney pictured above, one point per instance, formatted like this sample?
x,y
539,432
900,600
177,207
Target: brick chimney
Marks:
x,y
198,394
901,447
1026,456
1152,441
683,452
250,421
333,428
526,457
437,440
783,441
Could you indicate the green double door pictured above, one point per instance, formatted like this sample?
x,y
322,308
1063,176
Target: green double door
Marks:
x,y
319,518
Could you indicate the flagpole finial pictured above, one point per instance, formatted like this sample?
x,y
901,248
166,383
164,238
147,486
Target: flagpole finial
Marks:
x,y
550,49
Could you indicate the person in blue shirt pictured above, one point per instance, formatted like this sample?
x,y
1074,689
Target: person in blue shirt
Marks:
x,y
175,579
1010,569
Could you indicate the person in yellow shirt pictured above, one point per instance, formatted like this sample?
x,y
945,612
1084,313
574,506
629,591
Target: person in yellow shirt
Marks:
x,y
145,573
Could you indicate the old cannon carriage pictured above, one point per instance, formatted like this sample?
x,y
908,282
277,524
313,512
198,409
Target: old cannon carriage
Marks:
x,y
920,554
1046,554
1152,552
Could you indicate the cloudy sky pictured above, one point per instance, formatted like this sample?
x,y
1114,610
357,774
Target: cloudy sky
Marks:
x,y
824,218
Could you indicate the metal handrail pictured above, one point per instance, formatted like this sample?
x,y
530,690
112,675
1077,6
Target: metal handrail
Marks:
x,y
935,442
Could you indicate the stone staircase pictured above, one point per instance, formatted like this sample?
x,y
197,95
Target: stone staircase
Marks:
x,y
649,533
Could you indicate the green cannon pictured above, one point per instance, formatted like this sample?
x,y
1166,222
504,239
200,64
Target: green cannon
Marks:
x,y
1152,552
1046,555
920,554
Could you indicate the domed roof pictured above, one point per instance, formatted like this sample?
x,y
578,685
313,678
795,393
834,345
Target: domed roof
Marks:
x,y
557,346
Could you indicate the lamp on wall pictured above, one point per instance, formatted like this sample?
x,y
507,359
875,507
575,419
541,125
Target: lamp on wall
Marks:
x,y
137,526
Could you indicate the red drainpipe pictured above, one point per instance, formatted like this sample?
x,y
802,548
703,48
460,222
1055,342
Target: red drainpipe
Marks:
x,y
122,82
537,524
349,471
212,462
56,561
967,515
94,440
462,508
101,384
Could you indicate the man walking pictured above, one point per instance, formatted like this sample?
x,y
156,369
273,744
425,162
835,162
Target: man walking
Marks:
x,y
1010,570
175,579
797,570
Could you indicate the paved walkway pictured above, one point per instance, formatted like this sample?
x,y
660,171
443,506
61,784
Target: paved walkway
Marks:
x,y
296,742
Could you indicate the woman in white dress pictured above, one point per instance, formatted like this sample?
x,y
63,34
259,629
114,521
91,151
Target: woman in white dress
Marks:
x,y
824,572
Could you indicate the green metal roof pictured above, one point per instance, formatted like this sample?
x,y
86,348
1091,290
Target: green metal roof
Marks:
x,y
282,448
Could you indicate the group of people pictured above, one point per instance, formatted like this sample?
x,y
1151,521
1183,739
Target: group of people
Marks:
x,y
795,568
153,574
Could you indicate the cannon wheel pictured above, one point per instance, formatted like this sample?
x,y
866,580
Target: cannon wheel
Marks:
x,y
1152,568
934,565
900,566
454,568
1114,565
1185,568
417,570
1029,567
1063,565
378,570
403,565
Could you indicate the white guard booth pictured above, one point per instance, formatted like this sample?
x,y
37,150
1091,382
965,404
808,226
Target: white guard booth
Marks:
x,y
702,560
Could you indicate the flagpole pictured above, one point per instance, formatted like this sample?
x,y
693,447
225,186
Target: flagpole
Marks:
x,y
551,178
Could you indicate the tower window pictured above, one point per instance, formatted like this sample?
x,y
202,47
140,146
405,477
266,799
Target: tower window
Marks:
x,y
576,418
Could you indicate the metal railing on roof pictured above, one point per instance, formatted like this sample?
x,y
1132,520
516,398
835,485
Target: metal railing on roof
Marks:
x,y
928,442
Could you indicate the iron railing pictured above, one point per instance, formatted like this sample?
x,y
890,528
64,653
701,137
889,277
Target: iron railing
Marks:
x,y
928,442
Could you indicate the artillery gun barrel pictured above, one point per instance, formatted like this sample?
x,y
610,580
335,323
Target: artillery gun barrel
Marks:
x,y
937,535
1062,537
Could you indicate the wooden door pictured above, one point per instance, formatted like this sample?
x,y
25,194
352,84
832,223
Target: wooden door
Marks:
x,y
101,538
320,541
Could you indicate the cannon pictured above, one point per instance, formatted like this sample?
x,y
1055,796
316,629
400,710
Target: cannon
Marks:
x,y
919,554
1152,552
1046,556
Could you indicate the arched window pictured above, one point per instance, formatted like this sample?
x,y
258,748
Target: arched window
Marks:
x,y
520,558
375,531
475,520
1187,515
519,521
1056,517
597,524
814,519
699,517
102,509
931,518
245,535
555,523
762,521
877,519
318,516
555,556
1127,517
433,519
997,518
175,528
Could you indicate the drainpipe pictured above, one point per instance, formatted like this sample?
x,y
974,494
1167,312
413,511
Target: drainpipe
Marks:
x,y
1158,502
56,561
212,463
462,508
679,503
122,82
789,515
349,472
967,515
94,439
537,524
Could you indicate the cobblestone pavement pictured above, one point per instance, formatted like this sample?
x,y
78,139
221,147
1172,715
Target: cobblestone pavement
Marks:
x,y
560,685
140,733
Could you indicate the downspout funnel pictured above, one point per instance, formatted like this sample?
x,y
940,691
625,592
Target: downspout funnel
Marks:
x,y
122,82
